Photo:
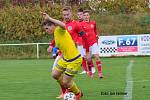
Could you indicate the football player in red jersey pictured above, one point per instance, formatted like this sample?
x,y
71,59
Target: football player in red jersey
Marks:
x,y
72,25
90,29
80,48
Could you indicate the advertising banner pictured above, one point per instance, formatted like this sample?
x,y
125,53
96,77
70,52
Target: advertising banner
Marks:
x,y
107,45
144,44
124,45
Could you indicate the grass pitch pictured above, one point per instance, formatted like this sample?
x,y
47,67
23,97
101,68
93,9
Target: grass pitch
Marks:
x,y
30,80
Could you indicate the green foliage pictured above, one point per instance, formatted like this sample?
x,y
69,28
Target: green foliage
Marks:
x,y
122,24
118,6
145,20
24,23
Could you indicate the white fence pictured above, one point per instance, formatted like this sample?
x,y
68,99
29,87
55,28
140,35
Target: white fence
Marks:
x,y
21,44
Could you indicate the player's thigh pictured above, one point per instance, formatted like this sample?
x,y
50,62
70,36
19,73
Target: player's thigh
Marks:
x,y
73,67
67,80
81,50
60,65
56,74
56,60
96,56
94,49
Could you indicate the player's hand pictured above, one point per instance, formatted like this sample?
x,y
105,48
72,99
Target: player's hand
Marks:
x,y
97,37
49,49
45,15
88,56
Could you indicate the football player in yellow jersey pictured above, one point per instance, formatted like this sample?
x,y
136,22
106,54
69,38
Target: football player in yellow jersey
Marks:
x,y
71,61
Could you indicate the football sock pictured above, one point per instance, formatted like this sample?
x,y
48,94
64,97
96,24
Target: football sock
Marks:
x,y
89,65
92,64
90,69
99,66
84,65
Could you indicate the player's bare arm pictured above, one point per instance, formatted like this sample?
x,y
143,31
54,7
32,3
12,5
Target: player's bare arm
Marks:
x,y
49,49
57,22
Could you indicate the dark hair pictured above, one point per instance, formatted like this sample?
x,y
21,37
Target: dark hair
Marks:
x,y
47,22
86,11
80,10
66,8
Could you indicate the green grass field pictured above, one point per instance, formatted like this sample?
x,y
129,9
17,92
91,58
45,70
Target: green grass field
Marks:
x,y
30,80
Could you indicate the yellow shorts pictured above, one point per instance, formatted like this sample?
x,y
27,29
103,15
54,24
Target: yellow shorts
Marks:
x,y
69,68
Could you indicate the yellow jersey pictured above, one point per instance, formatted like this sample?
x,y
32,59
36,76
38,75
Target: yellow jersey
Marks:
x,y
64,42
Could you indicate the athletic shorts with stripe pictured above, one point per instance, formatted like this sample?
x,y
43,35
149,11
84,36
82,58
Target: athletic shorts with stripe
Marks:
x,y
70,67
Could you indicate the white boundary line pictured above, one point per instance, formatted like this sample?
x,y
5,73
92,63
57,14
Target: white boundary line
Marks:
x,y
140,81
129,82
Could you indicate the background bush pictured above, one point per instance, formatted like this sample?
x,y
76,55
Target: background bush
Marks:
x,y
23,23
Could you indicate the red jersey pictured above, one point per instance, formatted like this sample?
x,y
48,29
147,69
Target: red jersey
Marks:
x,y
90,30
52,43
74,29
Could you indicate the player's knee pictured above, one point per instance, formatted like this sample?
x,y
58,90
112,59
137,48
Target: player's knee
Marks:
x,y
88,62
96,57
66,83
88,59
55,75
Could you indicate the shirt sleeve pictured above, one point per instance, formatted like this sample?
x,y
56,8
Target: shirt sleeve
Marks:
x,y
52,43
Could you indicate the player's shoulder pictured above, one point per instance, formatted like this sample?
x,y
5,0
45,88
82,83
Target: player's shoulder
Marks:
x,y
93,21
76,23
81,23
60,29
73,21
